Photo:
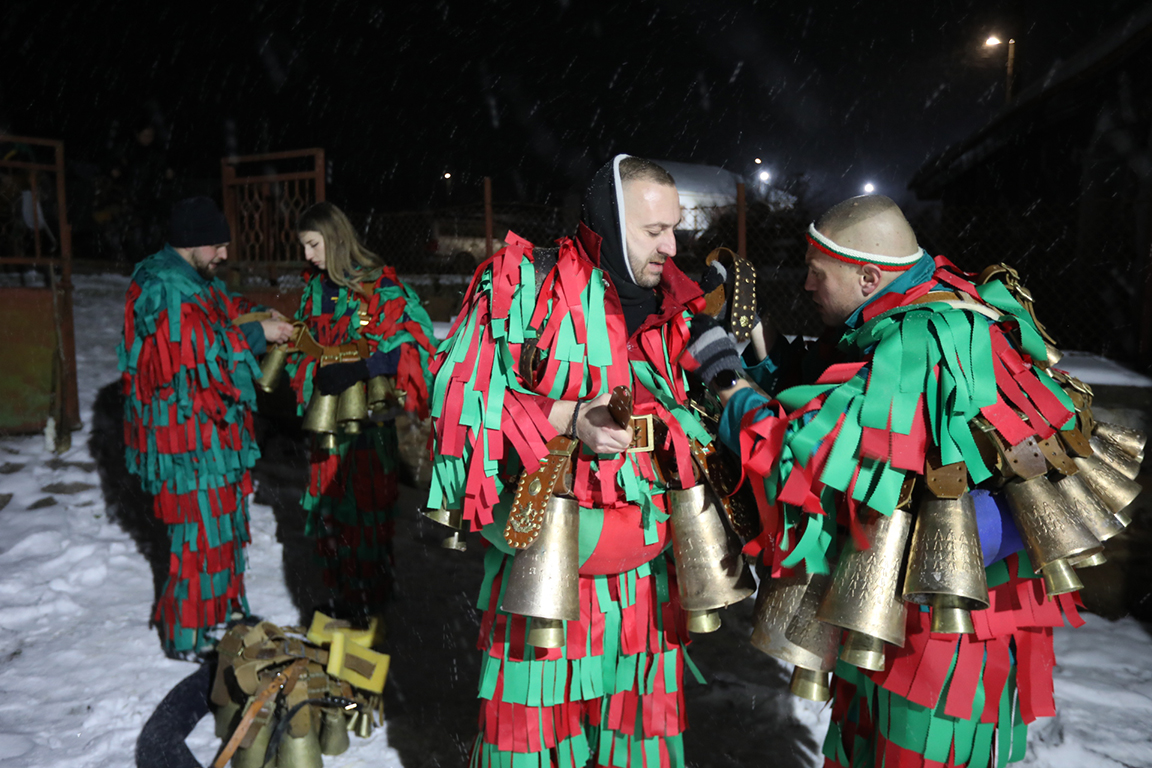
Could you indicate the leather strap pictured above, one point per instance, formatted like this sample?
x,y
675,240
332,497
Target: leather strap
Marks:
x,y
741,316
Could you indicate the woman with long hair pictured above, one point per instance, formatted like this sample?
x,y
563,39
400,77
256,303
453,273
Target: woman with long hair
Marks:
x,y
369,325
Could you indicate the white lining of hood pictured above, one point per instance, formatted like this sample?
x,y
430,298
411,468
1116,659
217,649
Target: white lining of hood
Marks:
x,y
619,188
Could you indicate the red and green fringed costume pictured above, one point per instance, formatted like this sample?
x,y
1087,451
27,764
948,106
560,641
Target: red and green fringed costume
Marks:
x,y
352,490
911,378
614,692
187,376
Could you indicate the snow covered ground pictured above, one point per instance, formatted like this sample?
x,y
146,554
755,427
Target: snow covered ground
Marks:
x,y
80,671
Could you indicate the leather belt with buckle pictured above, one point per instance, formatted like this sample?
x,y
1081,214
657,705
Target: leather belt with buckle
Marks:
x,y
643,434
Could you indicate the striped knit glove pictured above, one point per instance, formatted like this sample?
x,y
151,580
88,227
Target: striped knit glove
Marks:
x,y
711,349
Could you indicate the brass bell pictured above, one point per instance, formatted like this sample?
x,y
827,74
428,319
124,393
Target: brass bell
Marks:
x,y
946,563
300,752
321,414
810,684
863,650
710,569
253,755
381,393
1088,560
703,622
352,408
543,580
360,723
1115,458
546,633
1054,355
1129,440
865,596
452,518
225,718
785,627
334,733
1088,507
327,441
272,366
1115,490
456,542
1051,532
1060,578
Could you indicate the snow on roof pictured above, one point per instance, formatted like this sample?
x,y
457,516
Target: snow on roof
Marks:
x,y
702,184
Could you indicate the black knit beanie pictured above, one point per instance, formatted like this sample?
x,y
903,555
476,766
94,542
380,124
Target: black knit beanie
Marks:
x,y
197,221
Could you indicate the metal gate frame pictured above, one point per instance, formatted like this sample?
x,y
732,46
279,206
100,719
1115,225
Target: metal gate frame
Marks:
x,y
263,208
65,405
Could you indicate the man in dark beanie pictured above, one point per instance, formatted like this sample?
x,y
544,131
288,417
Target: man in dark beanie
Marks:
x,y
187,371
544,337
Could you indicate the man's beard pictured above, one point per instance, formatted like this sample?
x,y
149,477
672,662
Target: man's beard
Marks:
x,y
207,271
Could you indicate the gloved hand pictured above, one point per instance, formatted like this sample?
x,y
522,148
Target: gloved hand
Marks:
x,y
334,379
714,276
711,348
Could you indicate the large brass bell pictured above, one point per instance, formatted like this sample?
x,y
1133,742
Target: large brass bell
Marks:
x,y
352,408
1116,458
334,733
360,723
225,718
865,596
946,563
1088,507
300,751
785,627
543,581
454,519
383,395
272,367
252,756
1131,441
1115,490
1052,533
710,569
321,414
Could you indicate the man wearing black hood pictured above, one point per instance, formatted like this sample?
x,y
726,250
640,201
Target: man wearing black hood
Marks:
x,y
543,338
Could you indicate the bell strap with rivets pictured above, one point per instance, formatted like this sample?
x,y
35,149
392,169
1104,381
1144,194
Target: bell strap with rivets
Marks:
x,y
741,315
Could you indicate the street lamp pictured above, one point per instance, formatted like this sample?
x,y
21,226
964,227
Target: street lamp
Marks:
x,y
869,188
765,176
447,175
994,41
757,161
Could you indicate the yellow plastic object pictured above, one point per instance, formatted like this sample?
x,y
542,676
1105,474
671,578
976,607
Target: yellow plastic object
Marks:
x,y
321,632
360,666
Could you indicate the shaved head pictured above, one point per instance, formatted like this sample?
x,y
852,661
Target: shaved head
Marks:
x,y
870,223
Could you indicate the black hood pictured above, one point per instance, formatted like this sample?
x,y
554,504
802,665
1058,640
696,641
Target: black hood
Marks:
x,y
603,214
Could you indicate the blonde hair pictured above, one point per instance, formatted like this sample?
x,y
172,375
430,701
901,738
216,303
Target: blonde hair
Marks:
x,y
346,260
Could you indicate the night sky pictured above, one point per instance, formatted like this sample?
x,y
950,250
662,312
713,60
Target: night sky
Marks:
x,y
536,95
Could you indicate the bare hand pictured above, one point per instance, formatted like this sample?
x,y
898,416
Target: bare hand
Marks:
x,y
276,331
278,315
596,428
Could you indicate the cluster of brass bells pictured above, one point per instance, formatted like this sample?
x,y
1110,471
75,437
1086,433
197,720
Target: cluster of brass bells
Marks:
x,y
329,414
454,519
328,735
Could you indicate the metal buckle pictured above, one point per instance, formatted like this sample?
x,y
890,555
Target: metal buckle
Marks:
x,y
649,434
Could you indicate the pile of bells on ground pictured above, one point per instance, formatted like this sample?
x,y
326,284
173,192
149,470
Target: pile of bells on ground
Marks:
x,y
328,414
282,697
1066,496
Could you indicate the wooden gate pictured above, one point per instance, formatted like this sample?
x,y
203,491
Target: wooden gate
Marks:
x,y
38,376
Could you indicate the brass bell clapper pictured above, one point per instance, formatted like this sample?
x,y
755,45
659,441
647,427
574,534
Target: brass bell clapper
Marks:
x,y
454,519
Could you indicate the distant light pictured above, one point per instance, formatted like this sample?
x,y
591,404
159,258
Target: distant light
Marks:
x,y
764,176
447,175
757,161
869,188
992,41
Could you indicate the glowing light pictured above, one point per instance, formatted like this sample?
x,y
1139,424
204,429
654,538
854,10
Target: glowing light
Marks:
x,y
757,161
447,175
992,41
764,175
869,188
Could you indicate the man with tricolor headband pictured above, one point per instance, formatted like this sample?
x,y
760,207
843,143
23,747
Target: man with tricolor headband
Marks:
x,y
895,463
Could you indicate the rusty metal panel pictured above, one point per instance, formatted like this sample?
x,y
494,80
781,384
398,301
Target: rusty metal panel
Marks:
x,y
28,338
